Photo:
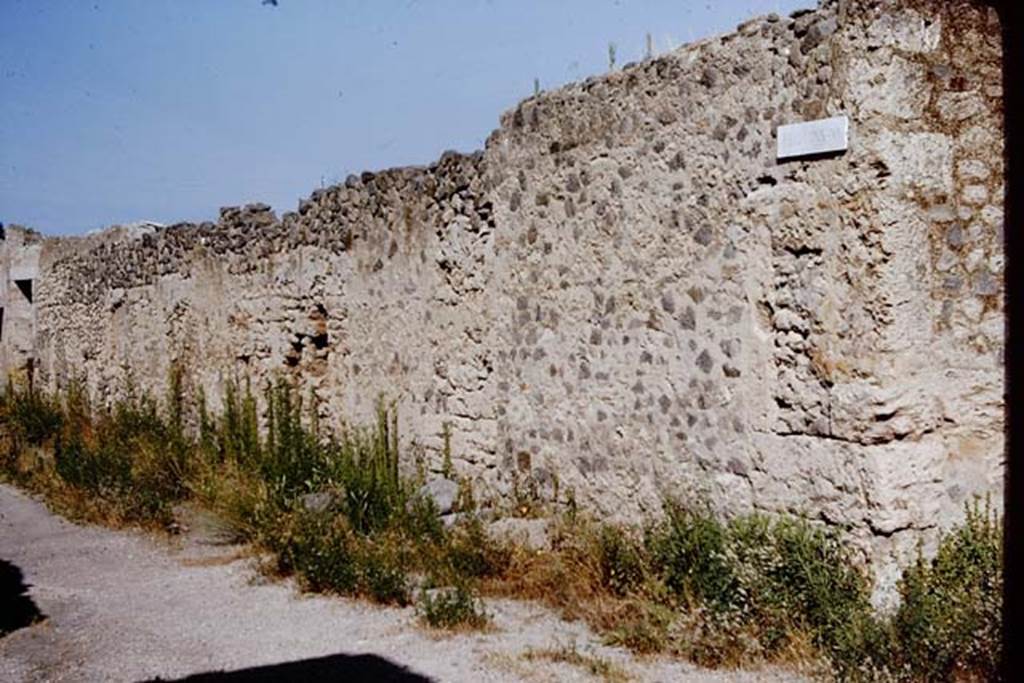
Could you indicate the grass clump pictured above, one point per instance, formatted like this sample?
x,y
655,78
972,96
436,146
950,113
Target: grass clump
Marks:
x,y
321,549
949,622
331,509
452,608
756,588
759,589
31,418
127,463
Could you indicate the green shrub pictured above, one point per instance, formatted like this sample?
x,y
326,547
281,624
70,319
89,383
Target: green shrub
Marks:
x,y
292,459
757,588
365,465
382,566
419,520
29,416
949,622
622,561
689,550
795,578
103,470
236,434
131,457
453,607
327,555
469,552
320,549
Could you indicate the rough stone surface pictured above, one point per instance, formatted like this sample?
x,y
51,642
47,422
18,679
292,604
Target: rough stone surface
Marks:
x,y
529,533
443,492
624,295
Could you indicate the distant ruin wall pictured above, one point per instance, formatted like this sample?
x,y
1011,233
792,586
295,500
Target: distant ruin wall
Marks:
x,y
625,294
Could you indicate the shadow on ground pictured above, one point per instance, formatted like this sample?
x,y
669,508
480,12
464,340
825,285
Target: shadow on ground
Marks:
x,y
331,668
16,608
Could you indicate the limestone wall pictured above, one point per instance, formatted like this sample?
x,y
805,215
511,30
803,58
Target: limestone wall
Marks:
x,y
625,294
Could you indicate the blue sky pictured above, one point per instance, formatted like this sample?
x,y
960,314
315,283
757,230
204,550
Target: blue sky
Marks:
x,y
122,110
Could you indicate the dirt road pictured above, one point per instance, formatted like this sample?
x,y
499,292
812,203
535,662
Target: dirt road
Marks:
x,y
124,606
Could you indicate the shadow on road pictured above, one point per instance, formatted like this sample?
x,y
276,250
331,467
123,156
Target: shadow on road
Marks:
x,y
330,668
16,608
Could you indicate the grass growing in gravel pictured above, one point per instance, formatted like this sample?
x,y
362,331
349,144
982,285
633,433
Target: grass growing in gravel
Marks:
x,y
452,608
598,667
759,589
125,464
331,508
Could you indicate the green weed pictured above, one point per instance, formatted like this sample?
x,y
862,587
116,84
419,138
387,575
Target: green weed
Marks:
x,y
332,509
949,622
452,608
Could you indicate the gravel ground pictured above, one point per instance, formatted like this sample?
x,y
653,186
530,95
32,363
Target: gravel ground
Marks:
x,y
125,606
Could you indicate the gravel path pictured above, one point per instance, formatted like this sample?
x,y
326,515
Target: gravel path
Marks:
x,y
124,606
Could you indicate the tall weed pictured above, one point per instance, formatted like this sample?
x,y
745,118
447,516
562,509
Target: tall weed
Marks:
x,y
333,509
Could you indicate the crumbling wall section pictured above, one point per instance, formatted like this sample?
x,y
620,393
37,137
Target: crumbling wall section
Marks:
x,y
370,290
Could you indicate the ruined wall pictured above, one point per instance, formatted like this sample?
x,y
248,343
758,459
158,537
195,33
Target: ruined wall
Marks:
x,y
625,294
19,269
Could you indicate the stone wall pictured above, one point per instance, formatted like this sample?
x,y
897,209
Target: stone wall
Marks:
x,y
625,294
19,270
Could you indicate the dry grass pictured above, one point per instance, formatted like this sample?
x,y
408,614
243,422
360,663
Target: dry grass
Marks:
x,y
217,560
524,670
437,633
587,575
598,667
566,577
722,594
70,501
569,578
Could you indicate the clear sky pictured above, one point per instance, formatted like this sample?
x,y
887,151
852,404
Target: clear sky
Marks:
x,y
122,110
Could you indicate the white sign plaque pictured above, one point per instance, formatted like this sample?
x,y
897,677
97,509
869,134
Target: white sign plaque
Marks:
x,y
812,137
